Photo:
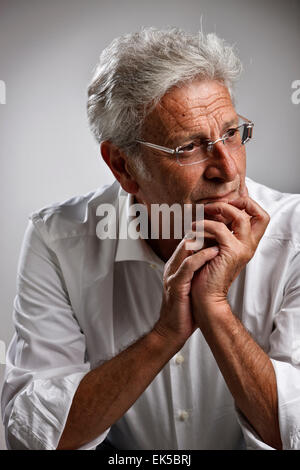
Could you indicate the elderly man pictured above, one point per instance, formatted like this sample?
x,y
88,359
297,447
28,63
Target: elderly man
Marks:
x,y
144,343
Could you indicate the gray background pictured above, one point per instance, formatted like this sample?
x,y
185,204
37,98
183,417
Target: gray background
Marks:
x,y
48,50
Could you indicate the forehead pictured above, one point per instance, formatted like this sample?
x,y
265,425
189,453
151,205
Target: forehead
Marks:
x,y
199,106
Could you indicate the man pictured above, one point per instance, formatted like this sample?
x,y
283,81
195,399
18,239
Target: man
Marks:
x,y
147,343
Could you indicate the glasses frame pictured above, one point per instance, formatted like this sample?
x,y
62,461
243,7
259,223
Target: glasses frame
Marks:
x,y
247,135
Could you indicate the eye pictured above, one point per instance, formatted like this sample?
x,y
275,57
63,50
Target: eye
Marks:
x,y
193,146
188,148
231,133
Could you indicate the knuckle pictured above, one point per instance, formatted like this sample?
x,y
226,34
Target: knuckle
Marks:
x,y
208,223
187,263
222,228
243,215
169,284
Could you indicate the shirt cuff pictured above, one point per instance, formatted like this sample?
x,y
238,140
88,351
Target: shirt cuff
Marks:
x,y
252,439
288,392
40,412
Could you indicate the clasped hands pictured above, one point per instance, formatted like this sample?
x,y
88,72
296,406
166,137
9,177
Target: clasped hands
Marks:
x,y
196,284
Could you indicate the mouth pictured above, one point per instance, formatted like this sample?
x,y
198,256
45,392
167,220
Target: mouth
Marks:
x,y
223,197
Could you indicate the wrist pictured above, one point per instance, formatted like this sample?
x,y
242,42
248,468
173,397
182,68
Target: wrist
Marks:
x,y
165,340
211,304
211,312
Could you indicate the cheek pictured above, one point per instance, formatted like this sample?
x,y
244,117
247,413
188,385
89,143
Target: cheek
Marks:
x,y
241,165
172,183
241,159
161,185
184,181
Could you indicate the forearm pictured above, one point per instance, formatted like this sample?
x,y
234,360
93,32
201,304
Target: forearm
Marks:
x,y
107,392
247,370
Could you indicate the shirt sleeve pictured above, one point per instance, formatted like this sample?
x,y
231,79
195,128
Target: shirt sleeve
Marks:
x,y
284,353
46,359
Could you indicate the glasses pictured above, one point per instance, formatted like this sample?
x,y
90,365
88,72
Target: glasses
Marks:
x,y
198,149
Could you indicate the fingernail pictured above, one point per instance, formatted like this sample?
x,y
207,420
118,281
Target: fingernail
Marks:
x,y
216,248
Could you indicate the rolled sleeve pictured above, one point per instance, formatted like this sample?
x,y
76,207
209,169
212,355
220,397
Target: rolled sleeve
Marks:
x,y
46,359
284,353
39,412
252,439
285,356
288,390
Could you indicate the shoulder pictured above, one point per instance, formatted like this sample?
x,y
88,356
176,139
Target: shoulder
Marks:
x,y
283,208
74,217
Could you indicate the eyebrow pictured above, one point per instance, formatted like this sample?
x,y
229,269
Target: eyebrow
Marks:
x,y
226,125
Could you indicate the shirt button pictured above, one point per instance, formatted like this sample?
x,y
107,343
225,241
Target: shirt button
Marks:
x,y
179,359
153,266
183,415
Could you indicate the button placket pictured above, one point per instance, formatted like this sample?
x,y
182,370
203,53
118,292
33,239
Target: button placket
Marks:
x,y
152,265
183,415
182,401
179,359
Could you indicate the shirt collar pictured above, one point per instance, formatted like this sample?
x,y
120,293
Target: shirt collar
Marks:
x,y
129,249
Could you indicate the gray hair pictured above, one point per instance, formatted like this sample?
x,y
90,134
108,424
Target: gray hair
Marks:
x,y
136,70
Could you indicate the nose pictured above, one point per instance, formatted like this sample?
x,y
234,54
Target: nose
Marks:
x,y
220,164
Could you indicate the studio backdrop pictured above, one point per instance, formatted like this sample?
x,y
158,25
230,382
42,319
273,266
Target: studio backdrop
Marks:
x,y
48,51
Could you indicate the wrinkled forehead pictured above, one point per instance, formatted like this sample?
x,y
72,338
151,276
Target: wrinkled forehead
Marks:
x,y
197,106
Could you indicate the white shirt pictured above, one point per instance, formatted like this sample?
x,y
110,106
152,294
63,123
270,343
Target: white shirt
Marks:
x,y
81,300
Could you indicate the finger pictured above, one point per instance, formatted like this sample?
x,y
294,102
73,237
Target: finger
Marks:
x,y
219,218
216,230
259,217
238,220
182,251
216,216
194,262
201,240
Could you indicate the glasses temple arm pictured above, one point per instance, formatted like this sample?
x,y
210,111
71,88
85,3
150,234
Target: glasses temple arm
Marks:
x,y
155,146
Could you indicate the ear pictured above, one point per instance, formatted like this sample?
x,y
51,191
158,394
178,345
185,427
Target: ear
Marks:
x,y
118,163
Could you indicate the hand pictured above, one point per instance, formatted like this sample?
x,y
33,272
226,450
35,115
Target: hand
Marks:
x,y
237,229
176,322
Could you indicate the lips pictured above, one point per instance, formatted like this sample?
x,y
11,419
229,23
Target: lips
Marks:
x,y
223,197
